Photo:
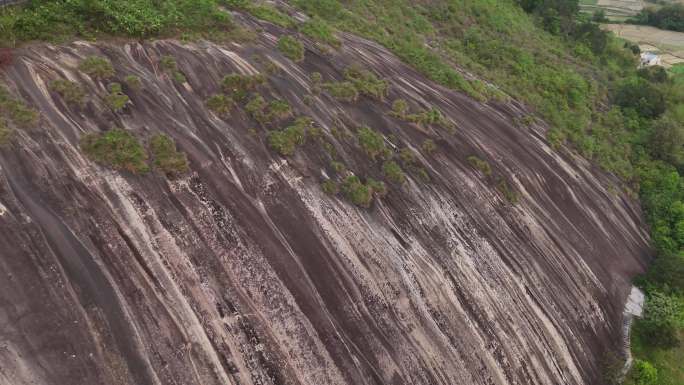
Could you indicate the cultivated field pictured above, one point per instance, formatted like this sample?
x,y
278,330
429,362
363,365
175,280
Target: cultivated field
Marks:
x,y
668,43
614,9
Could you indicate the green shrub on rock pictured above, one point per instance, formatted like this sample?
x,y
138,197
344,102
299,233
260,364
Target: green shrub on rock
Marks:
x,y
116,100
292,48
378,187
367,83
393,172
97,67
330,187
168,64
643,373
17,111
220,104
118,149
285,141
429,146
239,86
399,108
166,157
372,142
357,192
71,92
480,164
345,91
133,82
6,133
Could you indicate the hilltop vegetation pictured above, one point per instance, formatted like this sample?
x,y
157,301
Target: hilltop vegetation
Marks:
x,y
55,20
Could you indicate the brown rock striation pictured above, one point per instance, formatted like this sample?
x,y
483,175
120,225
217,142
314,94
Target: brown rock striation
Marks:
x,y
243,271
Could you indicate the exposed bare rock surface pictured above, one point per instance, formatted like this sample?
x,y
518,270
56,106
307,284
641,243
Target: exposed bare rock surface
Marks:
x,y
244,272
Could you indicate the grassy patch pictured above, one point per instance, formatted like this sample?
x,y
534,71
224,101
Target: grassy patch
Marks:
x,y
507,191
118,149
17,111
667,362
97,67
262,11
166,157
292,48
429,146
271,14
677,69
482,165
319,30
6,133
133,82
400,108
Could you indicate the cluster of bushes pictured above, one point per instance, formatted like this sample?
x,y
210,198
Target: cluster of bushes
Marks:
x,y
57,20
356,82
268,112
400,110
121,150
286,141
392,168
98,68
506,190
359,193
118,149
236,88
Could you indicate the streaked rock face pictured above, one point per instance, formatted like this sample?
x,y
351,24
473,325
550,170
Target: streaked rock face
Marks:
x,y
244,272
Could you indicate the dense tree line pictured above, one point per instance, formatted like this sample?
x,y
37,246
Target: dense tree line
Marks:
x,y
669,16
